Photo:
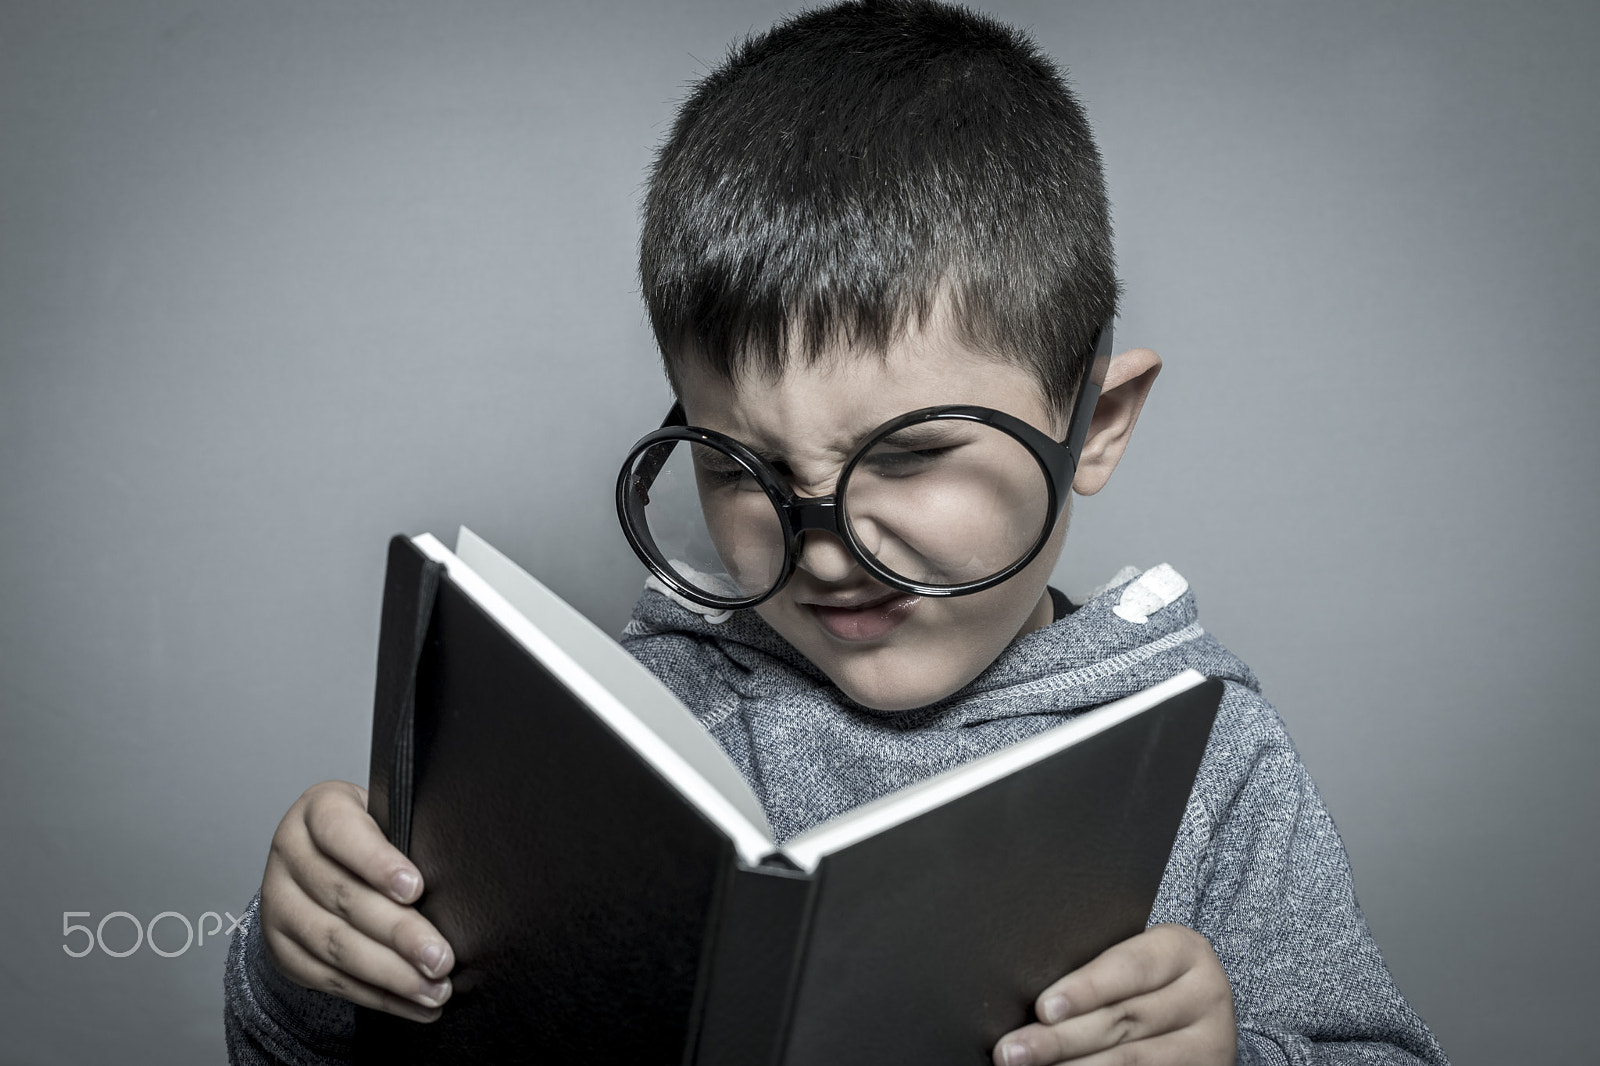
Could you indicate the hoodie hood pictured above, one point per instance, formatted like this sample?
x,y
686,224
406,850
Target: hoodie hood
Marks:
x,y
810,753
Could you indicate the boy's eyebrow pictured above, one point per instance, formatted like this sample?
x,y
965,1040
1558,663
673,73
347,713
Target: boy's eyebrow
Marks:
x,y
768,454
924,433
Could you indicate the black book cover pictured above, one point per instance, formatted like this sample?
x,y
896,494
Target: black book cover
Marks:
x,y
596,914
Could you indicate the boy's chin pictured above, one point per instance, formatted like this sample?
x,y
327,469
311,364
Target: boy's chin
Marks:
x,y
890,687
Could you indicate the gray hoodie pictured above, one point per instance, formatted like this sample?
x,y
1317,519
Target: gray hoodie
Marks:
x,y
1258,867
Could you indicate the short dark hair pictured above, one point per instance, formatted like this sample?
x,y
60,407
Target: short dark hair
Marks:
x,y
840,174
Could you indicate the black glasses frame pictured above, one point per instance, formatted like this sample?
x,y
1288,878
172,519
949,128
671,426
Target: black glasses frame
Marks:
x,y
1058,460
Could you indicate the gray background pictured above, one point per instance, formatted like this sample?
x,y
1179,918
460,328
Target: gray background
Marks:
x,y
279,280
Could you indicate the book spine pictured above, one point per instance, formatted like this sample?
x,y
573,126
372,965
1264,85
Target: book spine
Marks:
x,y
410,588
755,958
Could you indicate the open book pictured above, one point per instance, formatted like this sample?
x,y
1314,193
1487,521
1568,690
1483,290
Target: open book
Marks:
x,y
613,893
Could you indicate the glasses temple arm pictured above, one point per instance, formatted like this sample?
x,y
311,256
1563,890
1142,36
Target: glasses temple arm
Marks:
x,y
1089,394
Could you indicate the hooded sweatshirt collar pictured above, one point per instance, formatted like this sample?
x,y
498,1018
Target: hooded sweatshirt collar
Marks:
x,y
812,753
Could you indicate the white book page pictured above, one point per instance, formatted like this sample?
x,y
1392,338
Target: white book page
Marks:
x,y
809,848
621,692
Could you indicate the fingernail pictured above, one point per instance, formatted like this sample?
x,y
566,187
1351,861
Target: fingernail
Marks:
x,y
1016,1055
433,993
1053,1009
403,883
433,958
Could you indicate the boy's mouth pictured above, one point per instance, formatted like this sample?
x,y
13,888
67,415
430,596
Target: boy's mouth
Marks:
x,y
864,620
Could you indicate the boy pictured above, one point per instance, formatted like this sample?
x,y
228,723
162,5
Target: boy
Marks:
x,y
875,210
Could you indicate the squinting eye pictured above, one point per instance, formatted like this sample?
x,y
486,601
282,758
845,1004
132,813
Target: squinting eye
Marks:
x,y
724,473
897,463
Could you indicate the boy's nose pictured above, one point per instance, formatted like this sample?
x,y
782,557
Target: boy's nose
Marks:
x,y
824,556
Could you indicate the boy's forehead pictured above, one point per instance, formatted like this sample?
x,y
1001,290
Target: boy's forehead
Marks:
x,y
832,402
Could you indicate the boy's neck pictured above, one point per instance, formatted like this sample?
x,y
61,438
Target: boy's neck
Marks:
x,y
1044,612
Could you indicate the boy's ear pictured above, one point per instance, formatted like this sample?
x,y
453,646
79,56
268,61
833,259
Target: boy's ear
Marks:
x,y
1128,381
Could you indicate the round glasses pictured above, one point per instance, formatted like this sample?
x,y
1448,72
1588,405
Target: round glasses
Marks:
x,y
943,501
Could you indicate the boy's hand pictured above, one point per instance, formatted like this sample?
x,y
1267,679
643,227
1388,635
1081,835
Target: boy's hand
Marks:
x,y
1159,997
335,913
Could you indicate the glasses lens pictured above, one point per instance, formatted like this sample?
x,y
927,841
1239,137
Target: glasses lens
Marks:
x,y
708,518
947,502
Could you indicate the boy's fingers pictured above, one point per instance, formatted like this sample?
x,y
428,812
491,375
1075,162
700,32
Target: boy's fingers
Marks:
x,y
304,968
1140,1018
330,888
1164,997
340,827
344,955
1178,1048
1137,965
